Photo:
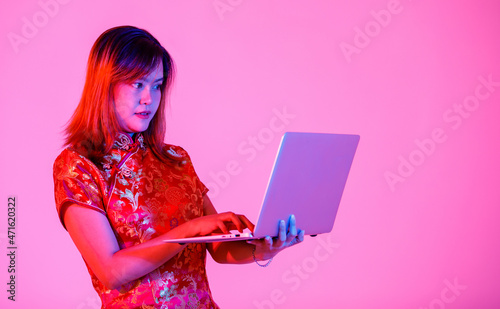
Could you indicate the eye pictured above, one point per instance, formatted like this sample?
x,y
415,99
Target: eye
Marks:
x,y
157,87
137,85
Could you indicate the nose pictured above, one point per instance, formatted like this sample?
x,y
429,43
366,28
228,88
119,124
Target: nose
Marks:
x,y
146,96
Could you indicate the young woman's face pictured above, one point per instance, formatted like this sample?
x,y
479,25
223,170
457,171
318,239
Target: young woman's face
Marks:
x,y
137,102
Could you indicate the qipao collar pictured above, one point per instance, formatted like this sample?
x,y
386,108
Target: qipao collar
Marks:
x,y
125,142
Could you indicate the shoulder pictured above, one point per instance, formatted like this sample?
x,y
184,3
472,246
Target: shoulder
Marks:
x,y
176,154
175,151
69,155
70,160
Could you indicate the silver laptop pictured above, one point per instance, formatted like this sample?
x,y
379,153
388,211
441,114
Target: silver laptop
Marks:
x,y
308,179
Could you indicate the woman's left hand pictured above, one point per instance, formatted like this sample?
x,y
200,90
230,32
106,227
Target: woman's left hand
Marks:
x,y
268,247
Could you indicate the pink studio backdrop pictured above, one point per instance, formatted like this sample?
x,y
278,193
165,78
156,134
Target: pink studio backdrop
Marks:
x,y
419,80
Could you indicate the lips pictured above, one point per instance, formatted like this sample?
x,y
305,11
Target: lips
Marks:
x,y
143,115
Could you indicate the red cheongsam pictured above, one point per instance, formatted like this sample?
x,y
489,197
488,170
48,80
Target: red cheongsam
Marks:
x,y
142,197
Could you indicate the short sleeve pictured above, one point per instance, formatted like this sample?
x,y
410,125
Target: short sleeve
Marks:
x,y
76,181
183,157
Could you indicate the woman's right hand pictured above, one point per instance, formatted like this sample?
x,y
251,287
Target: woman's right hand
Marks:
x,y
220,223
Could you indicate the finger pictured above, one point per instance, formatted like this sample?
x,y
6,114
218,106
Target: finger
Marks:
x,y
231,226
235,219
230,221
247,222
282,231
222,227
268,241
243,223
301,235
292,229
298,239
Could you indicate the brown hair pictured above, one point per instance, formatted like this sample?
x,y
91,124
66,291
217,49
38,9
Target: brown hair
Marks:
x,y
120,54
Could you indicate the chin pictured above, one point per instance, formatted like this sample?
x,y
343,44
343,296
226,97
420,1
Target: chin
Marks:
x,y
139,129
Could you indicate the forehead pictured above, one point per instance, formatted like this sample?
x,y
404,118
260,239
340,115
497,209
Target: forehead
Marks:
x,y
153,75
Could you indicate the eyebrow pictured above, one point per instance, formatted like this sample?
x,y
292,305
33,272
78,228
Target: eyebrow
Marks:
x,y
155,81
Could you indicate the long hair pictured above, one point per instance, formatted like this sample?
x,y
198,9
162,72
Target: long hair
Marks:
x,y
120,54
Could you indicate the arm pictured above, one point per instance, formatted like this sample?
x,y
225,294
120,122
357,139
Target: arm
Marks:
x,y
233,252
241,252
96,241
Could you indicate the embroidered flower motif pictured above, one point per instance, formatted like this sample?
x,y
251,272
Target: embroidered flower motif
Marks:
x,y
123,141
174,195
194,301
174,154
140,139
160,184
126,172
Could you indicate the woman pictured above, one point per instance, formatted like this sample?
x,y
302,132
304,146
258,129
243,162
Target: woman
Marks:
x,y
120,191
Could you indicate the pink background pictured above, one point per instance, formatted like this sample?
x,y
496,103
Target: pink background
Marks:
x,y
426,237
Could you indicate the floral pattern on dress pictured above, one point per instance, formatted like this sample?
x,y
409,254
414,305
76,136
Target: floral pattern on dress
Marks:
x,y
143,198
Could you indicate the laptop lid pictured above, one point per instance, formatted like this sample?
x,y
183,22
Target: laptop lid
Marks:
x,y
308,178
